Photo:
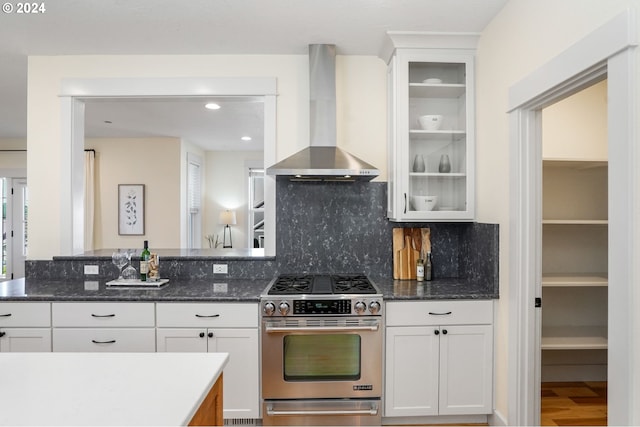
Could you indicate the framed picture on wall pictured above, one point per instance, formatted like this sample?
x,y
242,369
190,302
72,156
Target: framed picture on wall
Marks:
x,y
131,209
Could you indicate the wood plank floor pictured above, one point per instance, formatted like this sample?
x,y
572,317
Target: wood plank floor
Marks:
x,y
574,404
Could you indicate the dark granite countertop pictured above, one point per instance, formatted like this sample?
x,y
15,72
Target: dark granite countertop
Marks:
x,y
235,290
441,289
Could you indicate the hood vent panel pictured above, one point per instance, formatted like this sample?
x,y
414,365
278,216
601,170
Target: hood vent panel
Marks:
x,y
323,160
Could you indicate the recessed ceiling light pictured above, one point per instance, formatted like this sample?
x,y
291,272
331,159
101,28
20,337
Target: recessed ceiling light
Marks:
x,y
246,138
212,106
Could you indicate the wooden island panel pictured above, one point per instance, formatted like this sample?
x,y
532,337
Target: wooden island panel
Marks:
x,y
210,411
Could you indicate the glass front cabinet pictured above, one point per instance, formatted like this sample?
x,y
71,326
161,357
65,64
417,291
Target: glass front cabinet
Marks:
x,y
431,135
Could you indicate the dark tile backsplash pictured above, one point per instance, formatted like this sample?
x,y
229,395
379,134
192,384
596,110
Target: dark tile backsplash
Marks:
x,y
330,227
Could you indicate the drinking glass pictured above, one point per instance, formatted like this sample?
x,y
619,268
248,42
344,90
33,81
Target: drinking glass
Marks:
x,y
120,259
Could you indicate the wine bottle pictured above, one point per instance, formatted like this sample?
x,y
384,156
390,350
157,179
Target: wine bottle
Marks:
x,y
144,261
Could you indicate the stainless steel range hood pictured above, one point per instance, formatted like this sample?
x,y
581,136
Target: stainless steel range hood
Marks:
x,y
322,160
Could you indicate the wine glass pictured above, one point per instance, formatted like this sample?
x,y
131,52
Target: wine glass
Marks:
x,y
120,259
130,273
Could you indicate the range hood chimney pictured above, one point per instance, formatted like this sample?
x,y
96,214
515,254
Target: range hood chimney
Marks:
x,y
323,160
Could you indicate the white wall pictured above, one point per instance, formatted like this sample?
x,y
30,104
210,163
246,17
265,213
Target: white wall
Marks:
x,y
524,36
576,127
154,162
361,102
227,188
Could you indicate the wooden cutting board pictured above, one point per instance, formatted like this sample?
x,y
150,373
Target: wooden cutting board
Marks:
x,y
409,244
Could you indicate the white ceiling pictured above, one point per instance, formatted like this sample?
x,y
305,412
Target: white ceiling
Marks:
x,y
82,27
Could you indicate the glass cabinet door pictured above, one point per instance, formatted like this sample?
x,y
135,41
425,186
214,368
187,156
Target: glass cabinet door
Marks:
x,y
434,148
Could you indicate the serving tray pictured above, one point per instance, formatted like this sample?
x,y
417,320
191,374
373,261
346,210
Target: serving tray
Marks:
x,y
137,283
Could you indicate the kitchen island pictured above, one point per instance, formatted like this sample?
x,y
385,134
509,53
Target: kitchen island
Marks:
x,y
111,389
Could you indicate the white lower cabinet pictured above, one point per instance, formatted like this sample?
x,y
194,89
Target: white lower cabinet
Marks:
x,y
103,327
134,340
25,327
439,358
25,339
218,327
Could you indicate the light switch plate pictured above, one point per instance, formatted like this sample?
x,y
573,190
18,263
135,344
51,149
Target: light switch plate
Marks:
x,y
91,269
220,269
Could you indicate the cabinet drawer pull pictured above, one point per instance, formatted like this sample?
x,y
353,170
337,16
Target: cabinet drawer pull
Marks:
x,y
207,315
5,315
103,342
102,315
440,314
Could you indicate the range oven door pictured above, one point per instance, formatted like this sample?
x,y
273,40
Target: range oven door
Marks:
x,y
317,358
327,412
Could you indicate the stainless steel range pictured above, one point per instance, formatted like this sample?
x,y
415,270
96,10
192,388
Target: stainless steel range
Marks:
x,y
321,350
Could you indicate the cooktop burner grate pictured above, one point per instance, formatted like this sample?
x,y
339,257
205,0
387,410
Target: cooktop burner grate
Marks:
x,y
357,284
292,284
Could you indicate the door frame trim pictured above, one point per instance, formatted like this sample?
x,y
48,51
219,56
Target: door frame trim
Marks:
x,y
607,50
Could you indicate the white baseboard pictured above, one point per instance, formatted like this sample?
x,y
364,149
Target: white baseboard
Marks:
x,y
436,420
497,419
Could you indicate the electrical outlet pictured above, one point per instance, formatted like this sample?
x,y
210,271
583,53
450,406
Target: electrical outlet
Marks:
x,y
91,269
220,288
220,269
91,285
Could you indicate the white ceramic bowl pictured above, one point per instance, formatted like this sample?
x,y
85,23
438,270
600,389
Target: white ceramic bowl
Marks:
x,y
424,203
430,122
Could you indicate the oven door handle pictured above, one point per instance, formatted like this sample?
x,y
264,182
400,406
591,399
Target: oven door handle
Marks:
x,y
279,329
372,411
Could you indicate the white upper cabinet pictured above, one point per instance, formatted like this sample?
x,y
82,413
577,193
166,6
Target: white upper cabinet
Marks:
x,y
431,141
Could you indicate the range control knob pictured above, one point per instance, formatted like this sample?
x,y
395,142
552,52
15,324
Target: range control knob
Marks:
x,y
283,308
360,307
374,307
269,308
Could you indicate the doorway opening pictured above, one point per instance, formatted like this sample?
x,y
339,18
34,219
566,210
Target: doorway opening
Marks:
x,y
574,259
15,213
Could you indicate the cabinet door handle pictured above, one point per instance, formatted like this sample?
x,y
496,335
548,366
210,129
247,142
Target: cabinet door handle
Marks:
x,y
2,334
207,315
201,334
103,342
5,315
431,313
210,334
436,332
444,332
405,202
103,315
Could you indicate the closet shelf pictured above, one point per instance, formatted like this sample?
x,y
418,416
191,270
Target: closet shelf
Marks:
x,y
575,221
574,279
574,338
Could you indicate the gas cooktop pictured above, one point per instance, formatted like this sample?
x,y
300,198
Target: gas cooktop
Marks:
x,y
321,284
